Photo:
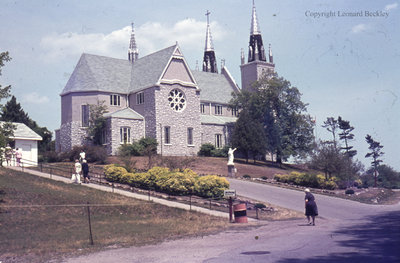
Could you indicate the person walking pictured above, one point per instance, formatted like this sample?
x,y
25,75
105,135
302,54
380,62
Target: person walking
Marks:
x,y
18,156
82,156
85,171
78,171
311,207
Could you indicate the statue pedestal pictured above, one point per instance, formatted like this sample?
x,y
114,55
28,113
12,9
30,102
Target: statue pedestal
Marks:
x,y
231,170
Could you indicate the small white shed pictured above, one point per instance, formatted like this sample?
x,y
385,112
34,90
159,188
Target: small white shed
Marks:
x,y
26,140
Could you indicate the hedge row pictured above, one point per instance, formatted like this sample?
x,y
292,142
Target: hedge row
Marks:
x,y
162,179
307,180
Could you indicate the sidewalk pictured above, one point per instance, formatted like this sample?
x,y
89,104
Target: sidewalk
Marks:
x,y
125,193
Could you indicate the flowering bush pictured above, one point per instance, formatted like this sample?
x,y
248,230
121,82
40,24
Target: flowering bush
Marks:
x,y
172,182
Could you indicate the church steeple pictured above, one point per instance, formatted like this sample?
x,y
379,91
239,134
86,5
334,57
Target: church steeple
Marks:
x,y
133,52
209,60
256,47
258,65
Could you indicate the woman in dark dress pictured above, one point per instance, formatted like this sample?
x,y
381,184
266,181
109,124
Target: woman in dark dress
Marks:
x,y
311,207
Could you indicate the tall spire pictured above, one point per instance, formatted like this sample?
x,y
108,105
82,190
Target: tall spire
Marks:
x,y
254,30
209,60
271,58
133,52
256,47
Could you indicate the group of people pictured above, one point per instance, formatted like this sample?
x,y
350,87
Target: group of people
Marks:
x,y
11,153
81,168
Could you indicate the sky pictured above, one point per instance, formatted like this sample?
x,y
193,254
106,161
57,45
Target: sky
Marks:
x,y
342,55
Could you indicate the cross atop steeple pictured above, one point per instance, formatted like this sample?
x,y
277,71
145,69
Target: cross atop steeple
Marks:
x,y
209,60
133,52
209,44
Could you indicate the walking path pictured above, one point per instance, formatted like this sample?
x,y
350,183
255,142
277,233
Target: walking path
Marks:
x,y
125,193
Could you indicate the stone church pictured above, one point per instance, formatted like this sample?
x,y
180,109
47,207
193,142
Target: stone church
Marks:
x,y
158,96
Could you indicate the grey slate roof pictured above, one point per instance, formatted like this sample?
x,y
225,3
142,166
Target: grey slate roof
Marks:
x,y
126,113
99,73
213,87
105,74
23,132
218,120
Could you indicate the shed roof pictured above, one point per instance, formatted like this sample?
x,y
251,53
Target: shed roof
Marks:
x,y
23,132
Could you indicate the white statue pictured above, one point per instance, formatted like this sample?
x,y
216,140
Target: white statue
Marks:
x,y
230,156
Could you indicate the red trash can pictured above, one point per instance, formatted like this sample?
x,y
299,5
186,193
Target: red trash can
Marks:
x,y
240,212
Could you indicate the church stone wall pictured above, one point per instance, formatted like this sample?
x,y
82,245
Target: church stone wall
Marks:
x,y
209,131
114,138
179,122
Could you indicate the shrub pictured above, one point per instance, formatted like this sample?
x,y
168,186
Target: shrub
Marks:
x,y
246,176
50,157
206,149
114,173
264,177
220,152
211,186
349,192
133,149
260,206
96,154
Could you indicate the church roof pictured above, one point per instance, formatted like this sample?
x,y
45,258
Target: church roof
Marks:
x,y
99,73
218,120
126,113
214,87
104,74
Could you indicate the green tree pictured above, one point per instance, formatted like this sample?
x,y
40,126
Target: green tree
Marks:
x,y
13,112
248,136
375,154
346,136
278,106
97,122
386,177
6,129
326,158
4,91
148,148
332,125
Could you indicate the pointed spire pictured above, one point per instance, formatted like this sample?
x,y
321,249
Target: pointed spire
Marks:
x,y
241,56
209,60
254,30
133,52
256,47
271,58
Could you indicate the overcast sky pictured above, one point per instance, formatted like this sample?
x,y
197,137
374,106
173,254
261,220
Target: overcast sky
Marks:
x,y
342,55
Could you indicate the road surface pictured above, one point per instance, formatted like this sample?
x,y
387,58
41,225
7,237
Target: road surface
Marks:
x,y
347,232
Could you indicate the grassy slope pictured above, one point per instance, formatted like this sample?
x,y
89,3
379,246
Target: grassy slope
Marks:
x,y
32,234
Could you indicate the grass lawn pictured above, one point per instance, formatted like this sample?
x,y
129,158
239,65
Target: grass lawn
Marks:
x,y
42,219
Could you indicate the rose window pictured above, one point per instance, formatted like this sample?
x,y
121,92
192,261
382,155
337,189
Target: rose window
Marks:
x,y
177,100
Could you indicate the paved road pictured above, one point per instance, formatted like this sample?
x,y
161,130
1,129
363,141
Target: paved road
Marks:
x,y
328,207
348,232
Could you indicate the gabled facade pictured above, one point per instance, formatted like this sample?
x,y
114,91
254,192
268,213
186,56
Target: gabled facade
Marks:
x,y
155,96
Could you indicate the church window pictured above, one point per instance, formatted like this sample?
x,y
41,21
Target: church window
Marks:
x,y
218,109
190,136
218,140
104,136
235,112
177,100
202,108
167,135
140,98
125,134
85,115
115,100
